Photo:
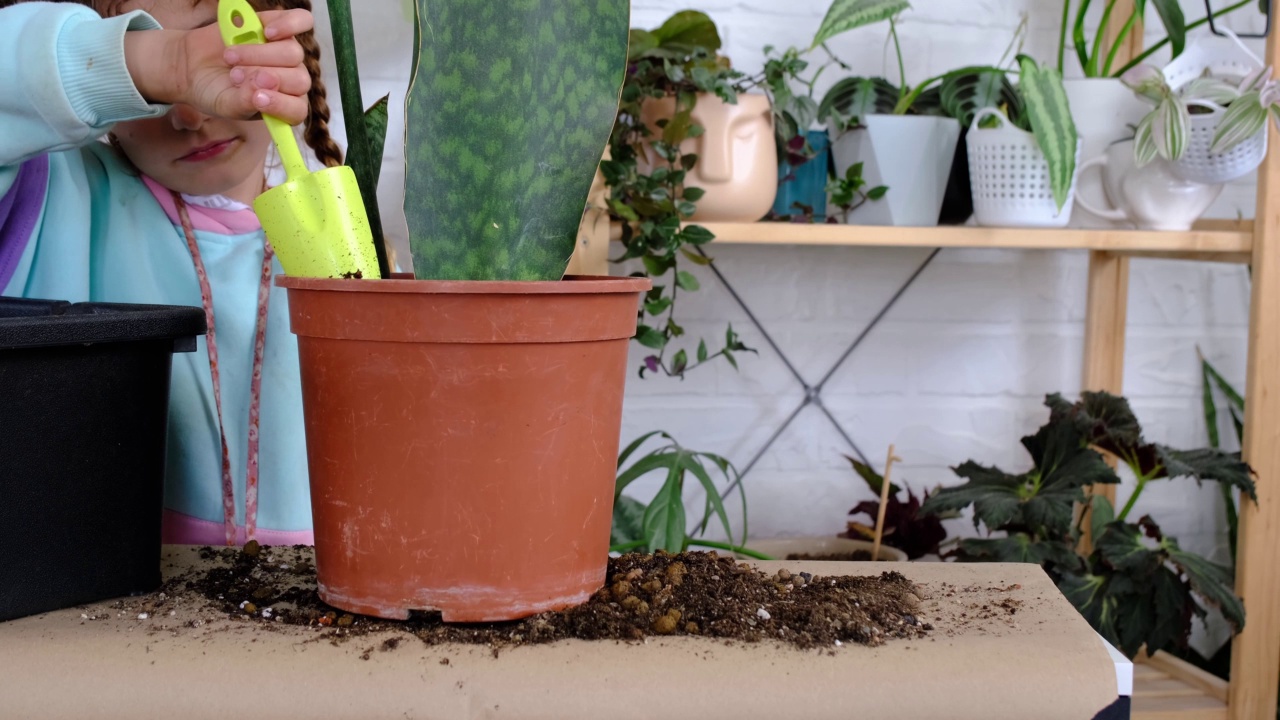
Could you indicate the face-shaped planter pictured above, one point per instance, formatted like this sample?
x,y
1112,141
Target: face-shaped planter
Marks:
x,y
737,163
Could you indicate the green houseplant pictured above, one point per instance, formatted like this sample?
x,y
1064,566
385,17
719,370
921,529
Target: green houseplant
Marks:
x,y
1137,587
445,414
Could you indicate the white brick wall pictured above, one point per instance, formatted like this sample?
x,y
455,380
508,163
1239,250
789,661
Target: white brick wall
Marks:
x,y
959,368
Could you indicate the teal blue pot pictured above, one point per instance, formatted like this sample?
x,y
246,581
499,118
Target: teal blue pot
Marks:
x,y
805,183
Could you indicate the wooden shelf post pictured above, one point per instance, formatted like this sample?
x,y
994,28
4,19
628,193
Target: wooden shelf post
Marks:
x,y
1255,652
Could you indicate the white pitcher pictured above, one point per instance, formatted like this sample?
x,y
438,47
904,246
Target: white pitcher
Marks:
x,y
1151,197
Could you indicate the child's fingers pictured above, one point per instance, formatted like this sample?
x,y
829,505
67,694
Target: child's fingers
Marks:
x,y
290,108
295,81
274,54
279,24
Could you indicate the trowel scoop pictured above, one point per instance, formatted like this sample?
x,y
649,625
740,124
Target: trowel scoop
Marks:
x,y
315,221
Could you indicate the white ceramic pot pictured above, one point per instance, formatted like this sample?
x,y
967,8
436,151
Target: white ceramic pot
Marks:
x,y
1151,197
910,154
737,161
1105,111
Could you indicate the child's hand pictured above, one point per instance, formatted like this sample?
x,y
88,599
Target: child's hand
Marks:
x,y
194,67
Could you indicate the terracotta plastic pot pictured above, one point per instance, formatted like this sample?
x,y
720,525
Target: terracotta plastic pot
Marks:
x,y
462,439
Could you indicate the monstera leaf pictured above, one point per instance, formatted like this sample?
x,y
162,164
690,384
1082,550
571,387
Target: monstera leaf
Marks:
x,y
509,109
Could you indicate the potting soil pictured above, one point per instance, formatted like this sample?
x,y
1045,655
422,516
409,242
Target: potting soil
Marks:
x,y
692,594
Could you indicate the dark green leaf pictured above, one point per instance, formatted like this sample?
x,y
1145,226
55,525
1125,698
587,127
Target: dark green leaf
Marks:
x,y
622,210
857,97
662,458
874,480
697,235
1019,548
375,120
657,307
1135,621
1175,25
1065,468
1209,464
656,266
877,192
687,281
1101,514
1210,407
1209,580
702,351
1122,547
689,461
1172,600
695,258
635,445
693,194
674,328
1088,594
689,28
649,337
679,362
994,494
640,42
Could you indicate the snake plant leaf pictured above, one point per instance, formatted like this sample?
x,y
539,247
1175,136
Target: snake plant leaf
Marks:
x,y
845,15
1050,118
375,119
509,109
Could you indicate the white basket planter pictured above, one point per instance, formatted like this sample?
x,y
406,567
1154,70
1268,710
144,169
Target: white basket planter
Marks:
x,y
1223,57
1197,164
1010,177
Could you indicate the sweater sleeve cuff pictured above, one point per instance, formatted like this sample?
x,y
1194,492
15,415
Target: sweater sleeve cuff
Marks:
x,y
94,75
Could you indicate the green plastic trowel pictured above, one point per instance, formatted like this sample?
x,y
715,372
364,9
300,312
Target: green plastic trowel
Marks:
x,y
316,221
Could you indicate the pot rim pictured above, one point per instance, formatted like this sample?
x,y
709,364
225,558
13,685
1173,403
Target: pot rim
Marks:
x,y
570,285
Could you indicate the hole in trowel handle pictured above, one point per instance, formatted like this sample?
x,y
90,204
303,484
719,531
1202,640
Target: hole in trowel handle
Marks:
x,y
237,19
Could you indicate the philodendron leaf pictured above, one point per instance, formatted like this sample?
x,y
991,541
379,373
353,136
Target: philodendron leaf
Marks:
x,y
508,110
845,15
628,521
1209,464
994,494
375,119
1050,117
1210,580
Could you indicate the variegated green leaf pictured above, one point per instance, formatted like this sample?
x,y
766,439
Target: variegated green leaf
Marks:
x,y
1170,127
845,15
509,108
1242,119
1051,123
1211,89
1144,142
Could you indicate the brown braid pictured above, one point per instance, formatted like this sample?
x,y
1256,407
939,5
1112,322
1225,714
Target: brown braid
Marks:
x,y
316,129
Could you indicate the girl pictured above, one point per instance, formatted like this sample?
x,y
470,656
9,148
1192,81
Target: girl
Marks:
x,y
131,149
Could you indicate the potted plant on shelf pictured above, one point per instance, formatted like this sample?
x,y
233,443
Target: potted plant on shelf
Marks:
x,y
1103,108
1023,166
1137,587
900,146
1210,114
677,80
446,415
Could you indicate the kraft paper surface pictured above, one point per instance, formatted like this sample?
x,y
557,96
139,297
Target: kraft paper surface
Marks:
x,y
1044,661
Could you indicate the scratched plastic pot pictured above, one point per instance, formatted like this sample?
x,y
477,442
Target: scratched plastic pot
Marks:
x,y
462,439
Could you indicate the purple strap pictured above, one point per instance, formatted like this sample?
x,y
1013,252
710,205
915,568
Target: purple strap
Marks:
x,y
19,210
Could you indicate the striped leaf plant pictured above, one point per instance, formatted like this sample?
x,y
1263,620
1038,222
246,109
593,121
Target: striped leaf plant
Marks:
x,y
1244,106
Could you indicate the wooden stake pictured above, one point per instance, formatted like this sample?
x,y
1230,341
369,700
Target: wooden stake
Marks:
x,y
884,500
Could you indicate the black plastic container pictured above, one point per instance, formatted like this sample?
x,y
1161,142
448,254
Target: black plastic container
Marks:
x,y
84,403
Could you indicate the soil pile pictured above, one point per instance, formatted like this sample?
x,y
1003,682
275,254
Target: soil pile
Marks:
x,y
692,593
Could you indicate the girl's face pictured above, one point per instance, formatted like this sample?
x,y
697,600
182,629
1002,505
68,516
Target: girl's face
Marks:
x,y
186,150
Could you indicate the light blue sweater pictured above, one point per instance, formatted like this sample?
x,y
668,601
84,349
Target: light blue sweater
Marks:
x,y
77,224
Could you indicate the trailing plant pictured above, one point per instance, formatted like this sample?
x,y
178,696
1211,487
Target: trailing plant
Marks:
x,y
1091,53
1137,587
851,192
662,524
1245,105
679,59
905,527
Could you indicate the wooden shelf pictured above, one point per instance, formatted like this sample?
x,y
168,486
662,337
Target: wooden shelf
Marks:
x,y
1214,241
1166,688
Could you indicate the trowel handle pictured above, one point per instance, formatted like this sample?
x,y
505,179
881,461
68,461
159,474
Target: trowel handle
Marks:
x,y
240,26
